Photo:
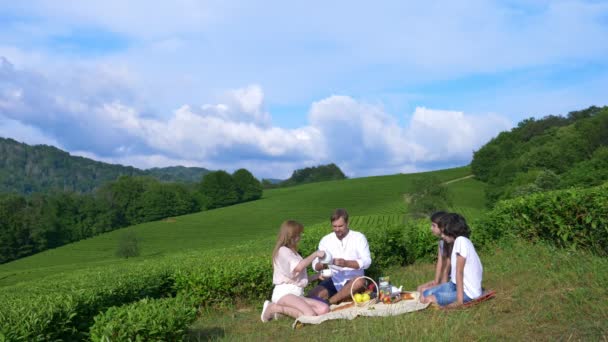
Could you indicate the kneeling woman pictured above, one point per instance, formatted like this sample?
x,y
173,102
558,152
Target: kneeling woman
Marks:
x,y
466,272
290,277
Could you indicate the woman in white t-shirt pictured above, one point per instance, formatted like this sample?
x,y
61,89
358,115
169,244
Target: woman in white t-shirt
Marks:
x,y
290,277
466,272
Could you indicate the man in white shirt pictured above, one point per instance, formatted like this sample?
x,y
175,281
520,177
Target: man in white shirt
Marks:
x,y
351,256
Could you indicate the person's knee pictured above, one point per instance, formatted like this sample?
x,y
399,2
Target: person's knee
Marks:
x,y
323,310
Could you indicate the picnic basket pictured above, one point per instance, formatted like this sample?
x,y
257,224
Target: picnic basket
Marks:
x,y
369,302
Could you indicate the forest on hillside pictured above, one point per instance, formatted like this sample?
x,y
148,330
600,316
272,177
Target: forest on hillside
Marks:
x,y
554,152
312,174
27,169
33,223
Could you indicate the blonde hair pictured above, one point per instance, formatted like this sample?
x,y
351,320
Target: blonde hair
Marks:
x,y
288,233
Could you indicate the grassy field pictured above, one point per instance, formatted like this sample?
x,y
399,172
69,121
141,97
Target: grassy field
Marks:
x,y
224,227
543,294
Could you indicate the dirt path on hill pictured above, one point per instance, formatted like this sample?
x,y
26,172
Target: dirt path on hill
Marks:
x,y
457,179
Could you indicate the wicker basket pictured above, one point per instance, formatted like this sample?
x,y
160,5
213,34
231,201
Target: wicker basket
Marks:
x,y
369,302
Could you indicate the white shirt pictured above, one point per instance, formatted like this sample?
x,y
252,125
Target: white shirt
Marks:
x,y
353,246
284,263
473,271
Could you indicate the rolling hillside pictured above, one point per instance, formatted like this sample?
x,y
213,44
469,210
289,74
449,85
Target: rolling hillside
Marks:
x,y
225,227
27,169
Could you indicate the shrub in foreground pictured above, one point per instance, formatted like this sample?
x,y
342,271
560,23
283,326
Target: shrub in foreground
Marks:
x,y
574,218
165,319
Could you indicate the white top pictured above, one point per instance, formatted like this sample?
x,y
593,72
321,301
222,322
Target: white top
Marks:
x,y
283,265
441,247
473,271
353,246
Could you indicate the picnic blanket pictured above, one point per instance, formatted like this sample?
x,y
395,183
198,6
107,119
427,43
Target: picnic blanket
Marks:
x,y
350,311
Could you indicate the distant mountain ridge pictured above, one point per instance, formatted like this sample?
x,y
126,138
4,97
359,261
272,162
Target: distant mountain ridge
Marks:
x,y
26,169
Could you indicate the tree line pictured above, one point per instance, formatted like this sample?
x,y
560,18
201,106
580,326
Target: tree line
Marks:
x,y
554,152
32,223
308,175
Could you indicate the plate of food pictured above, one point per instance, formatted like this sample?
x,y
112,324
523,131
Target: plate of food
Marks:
x,y
406,295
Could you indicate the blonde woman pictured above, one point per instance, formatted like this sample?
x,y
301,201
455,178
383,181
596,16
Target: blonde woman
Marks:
x,y
290,277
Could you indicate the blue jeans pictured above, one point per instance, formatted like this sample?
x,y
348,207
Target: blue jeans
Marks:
x,y
445,293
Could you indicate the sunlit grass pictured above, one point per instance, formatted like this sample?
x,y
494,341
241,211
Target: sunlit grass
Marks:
x,y
542,294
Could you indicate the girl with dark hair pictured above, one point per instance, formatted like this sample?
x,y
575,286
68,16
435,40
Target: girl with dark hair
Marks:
x,y
443,257
290,278
466,269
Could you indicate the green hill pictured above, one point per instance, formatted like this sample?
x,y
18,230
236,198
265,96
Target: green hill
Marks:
x,y
214,257
225,227
551,153
27,169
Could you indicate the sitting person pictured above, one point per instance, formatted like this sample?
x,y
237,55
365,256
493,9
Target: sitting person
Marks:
x,y
442,268
351,256
290,277
466,272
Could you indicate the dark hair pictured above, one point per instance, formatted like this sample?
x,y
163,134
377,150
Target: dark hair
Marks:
x,y
437,215
436,219
454,225
340,212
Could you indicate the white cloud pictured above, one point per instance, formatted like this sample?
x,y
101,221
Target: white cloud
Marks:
x,y
25,133
452,135
360,137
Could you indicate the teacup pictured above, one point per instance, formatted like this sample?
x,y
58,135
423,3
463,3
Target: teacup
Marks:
x,y
327,258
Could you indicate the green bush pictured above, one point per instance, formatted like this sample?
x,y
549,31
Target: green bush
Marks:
x,y
420,243
128,245
389,244
165,319
63,306
575,218
223,280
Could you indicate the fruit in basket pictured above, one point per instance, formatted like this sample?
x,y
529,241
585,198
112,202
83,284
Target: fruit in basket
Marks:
x,y
358,298
366,297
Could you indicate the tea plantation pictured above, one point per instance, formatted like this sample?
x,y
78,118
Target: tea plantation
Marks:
x,y
204,276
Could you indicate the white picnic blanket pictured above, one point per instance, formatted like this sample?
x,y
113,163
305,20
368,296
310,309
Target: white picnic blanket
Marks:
x,y
378,309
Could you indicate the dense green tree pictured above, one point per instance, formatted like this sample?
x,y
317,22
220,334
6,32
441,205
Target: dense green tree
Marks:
x,y
314,174
219,189
161,200
545,154
14,236
589,172
247,186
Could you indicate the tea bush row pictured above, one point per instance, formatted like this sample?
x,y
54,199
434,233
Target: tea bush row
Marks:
x,y
64,306
574,218
165,319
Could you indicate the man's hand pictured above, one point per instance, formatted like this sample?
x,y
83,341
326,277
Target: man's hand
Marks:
x,y
340,262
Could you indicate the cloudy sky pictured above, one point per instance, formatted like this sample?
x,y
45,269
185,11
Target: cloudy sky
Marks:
x,y
375,87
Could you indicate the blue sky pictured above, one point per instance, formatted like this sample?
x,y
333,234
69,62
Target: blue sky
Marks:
x,y
377,88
